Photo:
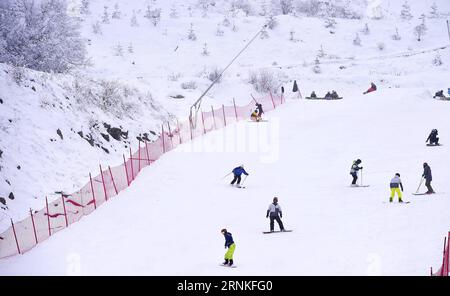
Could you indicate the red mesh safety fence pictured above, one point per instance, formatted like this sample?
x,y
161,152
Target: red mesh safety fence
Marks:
x,y
444,270
70,208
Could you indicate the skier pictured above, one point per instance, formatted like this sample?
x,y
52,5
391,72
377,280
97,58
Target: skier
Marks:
x,y
259,109
274,211
354,171
255,116
238,171
434,140
439,94
395,184
372,88
229,243
428,178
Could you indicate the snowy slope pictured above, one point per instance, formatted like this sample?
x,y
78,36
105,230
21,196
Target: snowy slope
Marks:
x,y
174,213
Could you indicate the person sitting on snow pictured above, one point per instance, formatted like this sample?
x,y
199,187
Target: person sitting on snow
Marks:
x,y
255,116
313,95
433,138
334,95
328,96
439,94
372,88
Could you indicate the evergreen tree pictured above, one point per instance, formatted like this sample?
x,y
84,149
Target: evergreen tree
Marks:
x,y
406,11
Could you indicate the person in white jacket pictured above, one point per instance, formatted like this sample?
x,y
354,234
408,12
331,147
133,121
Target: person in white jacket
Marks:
x,y
275,213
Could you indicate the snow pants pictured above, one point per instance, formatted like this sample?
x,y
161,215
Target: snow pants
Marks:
x,y
236,178
428,184
355,177
230,252
399,193
277,218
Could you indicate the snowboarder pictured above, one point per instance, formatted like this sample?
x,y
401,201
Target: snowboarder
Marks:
x,y
259,109
313,95
428,178
229,243
238,171
328,96
372,88
396,182
354,171
274,212
434,140
296,89
255,116
439,94
334,95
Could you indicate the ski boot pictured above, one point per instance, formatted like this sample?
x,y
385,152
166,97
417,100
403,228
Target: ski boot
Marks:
x,y
231,262
226,262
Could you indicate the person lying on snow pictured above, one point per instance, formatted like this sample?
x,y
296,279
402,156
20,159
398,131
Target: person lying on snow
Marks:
x,y
372,88
433,138
439,94
255,116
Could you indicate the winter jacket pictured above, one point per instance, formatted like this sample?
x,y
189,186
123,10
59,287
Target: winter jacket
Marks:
x,y
427,173
228,239
432,137
239,171
354,168
396,182
274,210
260,109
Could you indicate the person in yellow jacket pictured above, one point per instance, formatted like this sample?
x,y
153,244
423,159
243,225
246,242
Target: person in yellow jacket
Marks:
x,y
255,116
396,185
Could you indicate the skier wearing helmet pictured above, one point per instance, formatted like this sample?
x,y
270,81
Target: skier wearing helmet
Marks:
x,y
354,171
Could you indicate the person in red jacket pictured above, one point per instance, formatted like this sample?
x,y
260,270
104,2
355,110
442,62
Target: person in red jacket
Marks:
x,y
372,88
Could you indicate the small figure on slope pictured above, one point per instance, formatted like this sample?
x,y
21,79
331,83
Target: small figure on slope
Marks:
x,y
238,171
255,116
229,243
275,213
439,94
334,95
354,171
396,185
428,178
313,95
433,138
372,88
328,96
259,109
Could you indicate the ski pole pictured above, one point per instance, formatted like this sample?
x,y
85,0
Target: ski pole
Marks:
x,y
226,175
244,179
421,180
361,183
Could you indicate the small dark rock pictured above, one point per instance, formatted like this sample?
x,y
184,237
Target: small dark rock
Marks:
x,y
7,181
11,196
33,88
89,139
32,80
115,132
1,101
1,152
153,133
58,131
18,167
3,201
106,150
10,120
80,133
105,136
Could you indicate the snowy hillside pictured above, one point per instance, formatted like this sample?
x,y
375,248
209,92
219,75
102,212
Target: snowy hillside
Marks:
x,y
173,216
151,59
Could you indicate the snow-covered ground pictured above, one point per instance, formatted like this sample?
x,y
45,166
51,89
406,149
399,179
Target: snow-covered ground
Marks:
x,y
177,207
169,221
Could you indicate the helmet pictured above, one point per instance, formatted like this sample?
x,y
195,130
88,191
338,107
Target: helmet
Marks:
x,y
397,174
434,130
358,160
224,230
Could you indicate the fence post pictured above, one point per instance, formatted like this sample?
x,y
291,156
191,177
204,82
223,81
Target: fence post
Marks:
x,y
139,155
190,127
15,236
443,259
48,217
179,131
448,255
162,137
103,182
170,134
224,118
203,122
146,152
214,117
132,169
112,178
34,226
64,207
92,189
126,171
271,97
235,109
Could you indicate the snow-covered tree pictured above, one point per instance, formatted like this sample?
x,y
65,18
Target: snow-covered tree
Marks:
x,y
219,31
118,50
191,33
406,11
272,22
97,28
366,29
396,36
437,61
292,35
30,31
234,28
321,52
419,32
116,13
205,51
434,11
131,48
134,21
226,22
154,15
84,8
357,40
264,34
330,23
286,6
105,16
243,5
173,12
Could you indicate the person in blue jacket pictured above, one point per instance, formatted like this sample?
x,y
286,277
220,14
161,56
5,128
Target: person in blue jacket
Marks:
x,y
229,243
238,171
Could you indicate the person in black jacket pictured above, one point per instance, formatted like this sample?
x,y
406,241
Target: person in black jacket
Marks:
x,y
229,243
433,138
428,178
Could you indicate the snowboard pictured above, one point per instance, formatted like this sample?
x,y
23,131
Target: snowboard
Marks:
x,y
266,232
232,266
309,98
405,202
359,186
262,120
431,145
424,193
